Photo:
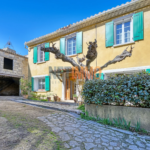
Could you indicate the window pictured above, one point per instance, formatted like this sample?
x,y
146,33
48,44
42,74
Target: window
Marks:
x,y
41,84
71,46
123,33
8,64
123,30
41,54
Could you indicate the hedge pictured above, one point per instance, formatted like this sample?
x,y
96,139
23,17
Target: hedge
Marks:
x,y
119,90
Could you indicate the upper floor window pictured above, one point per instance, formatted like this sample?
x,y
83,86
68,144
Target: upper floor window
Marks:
x,y
8,64
123,31
41,54
71,46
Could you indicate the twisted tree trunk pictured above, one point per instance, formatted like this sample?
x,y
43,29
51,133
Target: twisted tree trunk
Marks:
x,y
91,56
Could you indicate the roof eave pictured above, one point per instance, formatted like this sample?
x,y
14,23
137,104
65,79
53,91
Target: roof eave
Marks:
x,y
101,17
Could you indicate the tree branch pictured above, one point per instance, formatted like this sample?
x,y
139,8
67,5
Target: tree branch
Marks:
x,y
92,53
118,58
59,55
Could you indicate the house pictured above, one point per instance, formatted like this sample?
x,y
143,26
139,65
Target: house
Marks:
x,y
12,68
114,30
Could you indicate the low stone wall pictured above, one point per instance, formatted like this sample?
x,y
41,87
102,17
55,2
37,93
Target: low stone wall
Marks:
x,y
132,114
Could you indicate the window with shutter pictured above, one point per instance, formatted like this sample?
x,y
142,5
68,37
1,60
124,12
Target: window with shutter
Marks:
x,y
148,70
41,54
109,34
79,41
47,83
138,29
47,53
35,55
62,45
100,76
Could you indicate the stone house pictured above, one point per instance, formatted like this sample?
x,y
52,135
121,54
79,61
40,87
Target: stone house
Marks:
x,y
12,68
114,29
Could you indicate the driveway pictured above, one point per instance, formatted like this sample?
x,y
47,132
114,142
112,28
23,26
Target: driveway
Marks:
x,y
27,127
21,130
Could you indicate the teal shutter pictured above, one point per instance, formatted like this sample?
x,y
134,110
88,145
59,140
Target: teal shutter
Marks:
x,y
47,83
62,45
138,29
47,53
109,34
100,76
79,39
97,75
148,70
35,55
32,84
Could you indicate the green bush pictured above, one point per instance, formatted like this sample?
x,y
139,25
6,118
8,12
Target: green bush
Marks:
x,y
132,88
82,107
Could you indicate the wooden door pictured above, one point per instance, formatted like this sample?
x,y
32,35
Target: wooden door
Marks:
x,y
67,89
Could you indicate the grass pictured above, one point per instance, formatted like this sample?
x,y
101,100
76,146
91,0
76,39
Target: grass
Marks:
x,y
82,108
32,127
119,123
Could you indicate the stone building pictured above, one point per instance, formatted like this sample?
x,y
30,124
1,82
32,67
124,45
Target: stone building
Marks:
x,y
12,68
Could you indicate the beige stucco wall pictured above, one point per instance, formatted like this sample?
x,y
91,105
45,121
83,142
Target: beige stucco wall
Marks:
x,y
140,55
20,65
133,114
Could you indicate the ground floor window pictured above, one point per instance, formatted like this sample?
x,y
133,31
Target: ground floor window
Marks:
x,y
41,84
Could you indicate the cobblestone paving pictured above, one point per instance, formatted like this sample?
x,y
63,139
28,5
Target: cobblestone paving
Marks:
x,y
78,134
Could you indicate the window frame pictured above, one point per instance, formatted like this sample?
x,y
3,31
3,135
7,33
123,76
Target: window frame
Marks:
x,y
5,66
39,53
122,21
36,82
41,89
73,35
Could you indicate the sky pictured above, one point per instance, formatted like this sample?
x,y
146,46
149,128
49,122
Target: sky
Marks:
x,y
24,20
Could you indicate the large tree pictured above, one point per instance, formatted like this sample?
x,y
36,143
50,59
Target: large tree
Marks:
x,y
90,57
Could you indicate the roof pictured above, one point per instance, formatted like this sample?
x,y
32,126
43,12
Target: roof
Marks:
x,y
12,53
97,18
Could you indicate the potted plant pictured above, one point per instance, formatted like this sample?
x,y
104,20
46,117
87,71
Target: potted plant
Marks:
x,y
55,97
58,99
75,98
49,94
25,87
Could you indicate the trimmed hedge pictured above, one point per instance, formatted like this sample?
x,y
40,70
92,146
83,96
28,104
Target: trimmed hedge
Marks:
x,y
132,88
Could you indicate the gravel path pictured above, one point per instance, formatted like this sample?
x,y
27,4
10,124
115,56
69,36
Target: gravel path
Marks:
x,y
80,134
57,106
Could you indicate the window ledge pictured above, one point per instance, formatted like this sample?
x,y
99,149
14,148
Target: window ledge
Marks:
x,y
41,91
41,62
123,44
72,55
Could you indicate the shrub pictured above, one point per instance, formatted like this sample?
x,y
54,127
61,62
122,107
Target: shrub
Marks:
x,y
132,88
25,86
82,107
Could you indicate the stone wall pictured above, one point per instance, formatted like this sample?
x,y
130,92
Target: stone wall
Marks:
x,y
132,114
20,65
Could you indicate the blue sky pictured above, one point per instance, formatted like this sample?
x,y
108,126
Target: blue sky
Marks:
x,y
24,20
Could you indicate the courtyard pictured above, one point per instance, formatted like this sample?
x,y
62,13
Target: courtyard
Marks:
x,y
26,127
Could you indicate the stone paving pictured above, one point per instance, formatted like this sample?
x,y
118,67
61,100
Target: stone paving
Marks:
x,y
78,134
58,106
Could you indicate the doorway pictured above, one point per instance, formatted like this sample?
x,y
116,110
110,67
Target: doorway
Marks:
x,y
70,88
9,86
